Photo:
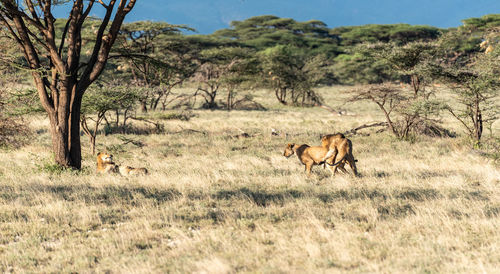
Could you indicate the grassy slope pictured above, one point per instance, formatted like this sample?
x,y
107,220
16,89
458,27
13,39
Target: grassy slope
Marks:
x,y
221,204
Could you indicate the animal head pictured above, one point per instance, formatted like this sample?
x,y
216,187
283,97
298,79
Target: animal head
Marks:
x,y
289,150
325,140
104,157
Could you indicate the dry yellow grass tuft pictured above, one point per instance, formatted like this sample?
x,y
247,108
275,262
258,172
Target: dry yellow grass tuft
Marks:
x,y
215,203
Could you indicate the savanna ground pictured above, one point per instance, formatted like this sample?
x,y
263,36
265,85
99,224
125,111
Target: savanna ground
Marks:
x,y
217,203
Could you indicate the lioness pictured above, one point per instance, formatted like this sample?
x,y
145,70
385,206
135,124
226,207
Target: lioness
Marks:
x,y
339,152
126,171
307,155
105,163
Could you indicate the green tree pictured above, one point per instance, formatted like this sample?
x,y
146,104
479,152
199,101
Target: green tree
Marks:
x,y
266,31
406,61
54,59
222,68
158,56
404,113
396,33
474,80
293,73
99,101
476,87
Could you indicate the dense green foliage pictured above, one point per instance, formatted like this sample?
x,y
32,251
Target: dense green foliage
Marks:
x,y
397,33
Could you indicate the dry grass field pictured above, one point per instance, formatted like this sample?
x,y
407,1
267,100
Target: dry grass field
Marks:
x,y
215,203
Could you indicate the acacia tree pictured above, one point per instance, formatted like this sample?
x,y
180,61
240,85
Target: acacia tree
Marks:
x,y
220,69
474,80
59,73
99,101
293,74
159,58
404,114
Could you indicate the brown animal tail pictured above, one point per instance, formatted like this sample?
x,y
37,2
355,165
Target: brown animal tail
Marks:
x,y
343,157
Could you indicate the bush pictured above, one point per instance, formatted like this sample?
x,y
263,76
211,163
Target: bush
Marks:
x,y
13,133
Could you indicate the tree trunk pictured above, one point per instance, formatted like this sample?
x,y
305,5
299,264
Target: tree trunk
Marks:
x,y
65,130
144,107
229,100
478,127
92,145
281,95
415,83
117,114
388,119
74,137
211,102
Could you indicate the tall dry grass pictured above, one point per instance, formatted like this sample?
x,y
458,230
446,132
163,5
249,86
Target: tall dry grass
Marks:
x,y
215,203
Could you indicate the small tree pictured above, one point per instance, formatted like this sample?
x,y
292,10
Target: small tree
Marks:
x,y
404,114
159,58
293,74
405,62
12,128
101,100
476,89
222,67
475,83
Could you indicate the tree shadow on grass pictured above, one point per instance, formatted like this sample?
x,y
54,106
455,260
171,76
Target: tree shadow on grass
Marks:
x,y
108,195
266,198
34,194
259,197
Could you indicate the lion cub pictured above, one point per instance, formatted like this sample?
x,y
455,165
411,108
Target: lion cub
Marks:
x,y
105,164
308,155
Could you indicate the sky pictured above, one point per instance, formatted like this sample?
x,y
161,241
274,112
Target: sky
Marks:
x,y
208,16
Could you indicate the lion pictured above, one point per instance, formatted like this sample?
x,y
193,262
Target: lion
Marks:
x,y
339,152
105,164
129,171
308,155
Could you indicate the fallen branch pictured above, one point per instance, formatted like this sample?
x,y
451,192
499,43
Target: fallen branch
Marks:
x,y
354,130
183,130
330,109
131,141
144,120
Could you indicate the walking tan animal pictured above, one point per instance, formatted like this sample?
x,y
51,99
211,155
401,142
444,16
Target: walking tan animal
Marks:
x,y
308,155
339,152
105,164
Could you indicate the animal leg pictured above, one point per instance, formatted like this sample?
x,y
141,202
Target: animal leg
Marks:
x,y
308,169
332,170
342,168
352,164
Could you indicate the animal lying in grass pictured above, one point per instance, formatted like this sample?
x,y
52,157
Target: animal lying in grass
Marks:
x,y
339,152
128,171
105,164
308,155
